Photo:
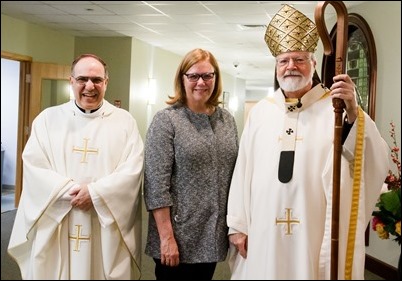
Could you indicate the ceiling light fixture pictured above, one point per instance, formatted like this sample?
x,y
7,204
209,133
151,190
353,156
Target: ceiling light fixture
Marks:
x,y
252,26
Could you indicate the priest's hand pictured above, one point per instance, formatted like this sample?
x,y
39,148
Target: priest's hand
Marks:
x,y
81,197
239,240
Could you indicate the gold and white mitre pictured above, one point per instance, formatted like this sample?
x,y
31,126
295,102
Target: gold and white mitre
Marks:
x,y
290,31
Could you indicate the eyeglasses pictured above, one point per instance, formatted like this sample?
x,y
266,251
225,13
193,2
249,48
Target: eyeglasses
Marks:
x,y
193,77
297,61
82,80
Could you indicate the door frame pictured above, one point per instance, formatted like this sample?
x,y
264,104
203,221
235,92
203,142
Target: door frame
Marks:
x,y
31,76
23,114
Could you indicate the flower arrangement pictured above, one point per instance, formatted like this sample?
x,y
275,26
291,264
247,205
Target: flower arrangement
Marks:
x,y
387,218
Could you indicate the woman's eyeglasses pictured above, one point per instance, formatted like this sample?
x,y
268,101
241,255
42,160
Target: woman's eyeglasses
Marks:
x,y
193,77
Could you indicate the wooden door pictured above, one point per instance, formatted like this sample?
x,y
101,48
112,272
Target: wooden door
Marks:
x,y
31,77
39,71
247,106
42,71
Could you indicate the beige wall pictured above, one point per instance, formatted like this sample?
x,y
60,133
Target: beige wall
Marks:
x,y
42,44
150,62
116,51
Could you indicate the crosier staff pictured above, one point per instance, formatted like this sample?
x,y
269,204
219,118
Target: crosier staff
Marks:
x,y
339,105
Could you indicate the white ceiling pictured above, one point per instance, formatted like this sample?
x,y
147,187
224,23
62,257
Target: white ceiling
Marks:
x,y
232,31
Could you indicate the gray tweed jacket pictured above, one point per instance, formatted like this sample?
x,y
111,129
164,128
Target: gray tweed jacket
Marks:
x,y
189,161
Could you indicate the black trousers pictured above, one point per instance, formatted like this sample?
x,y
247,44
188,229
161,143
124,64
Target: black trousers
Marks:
x,y
184,271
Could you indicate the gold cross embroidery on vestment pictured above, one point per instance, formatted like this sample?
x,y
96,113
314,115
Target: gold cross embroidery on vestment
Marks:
x,y
78,237
85,150
288,221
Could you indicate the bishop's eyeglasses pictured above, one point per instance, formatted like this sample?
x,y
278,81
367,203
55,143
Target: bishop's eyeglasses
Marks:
x,y
193,77
297,61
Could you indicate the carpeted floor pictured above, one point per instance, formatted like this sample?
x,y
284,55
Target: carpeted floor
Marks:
x,y
9,269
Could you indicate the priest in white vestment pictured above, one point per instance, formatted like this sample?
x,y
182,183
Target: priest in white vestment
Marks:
x,y
280,200
79,216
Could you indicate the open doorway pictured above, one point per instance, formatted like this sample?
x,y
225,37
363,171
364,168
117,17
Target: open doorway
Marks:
x,y
32,80
20,89
10,71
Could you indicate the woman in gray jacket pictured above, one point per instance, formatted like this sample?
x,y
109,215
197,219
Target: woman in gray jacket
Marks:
x,y
190,153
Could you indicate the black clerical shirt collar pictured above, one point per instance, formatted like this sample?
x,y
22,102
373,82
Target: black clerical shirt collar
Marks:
x,y
89,110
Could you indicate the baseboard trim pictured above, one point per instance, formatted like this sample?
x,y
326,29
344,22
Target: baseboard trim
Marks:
x,y
386,271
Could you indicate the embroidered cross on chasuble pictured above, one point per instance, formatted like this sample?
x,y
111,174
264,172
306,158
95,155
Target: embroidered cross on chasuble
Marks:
x,y
289,135
80,244
85,150
288,221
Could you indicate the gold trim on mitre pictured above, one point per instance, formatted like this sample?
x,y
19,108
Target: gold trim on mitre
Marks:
x,y
291,31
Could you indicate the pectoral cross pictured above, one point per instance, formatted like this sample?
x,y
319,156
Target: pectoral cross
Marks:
x,y
85,150
78,238
288,221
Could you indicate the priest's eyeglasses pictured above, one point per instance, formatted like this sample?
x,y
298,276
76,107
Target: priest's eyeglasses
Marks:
x,y
297,61
82,80
193,77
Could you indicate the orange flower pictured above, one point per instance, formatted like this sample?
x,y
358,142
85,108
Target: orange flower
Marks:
x,y
382,233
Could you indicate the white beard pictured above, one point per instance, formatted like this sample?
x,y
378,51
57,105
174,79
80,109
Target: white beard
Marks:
x,y
292,84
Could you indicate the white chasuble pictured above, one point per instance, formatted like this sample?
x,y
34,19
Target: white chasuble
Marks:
x,y
288,219
50,239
